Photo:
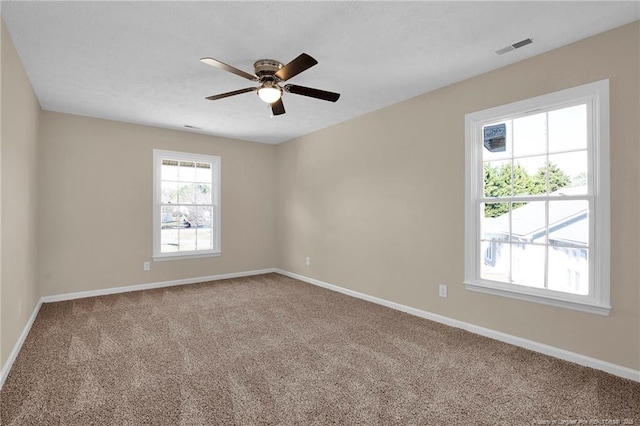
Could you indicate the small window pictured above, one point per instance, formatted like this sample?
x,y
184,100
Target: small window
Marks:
x,y
537,199
186,205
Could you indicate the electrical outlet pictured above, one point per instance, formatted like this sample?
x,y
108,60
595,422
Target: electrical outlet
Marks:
x,y
146,266
443,290
308,261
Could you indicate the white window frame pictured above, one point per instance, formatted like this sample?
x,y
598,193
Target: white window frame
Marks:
x,y
158,156
597,96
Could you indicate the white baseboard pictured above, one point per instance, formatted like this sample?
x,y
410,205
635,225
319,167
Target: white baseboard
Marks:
x,y
82,294
616,370
16,348
125,289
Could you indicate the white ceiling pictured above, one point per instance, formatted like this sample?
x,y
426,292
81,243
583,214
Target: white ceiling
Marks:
x,y
139,61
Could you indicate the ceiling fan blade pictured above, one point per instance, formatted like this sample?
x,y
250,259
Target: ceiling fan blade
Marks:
x,y
277,107
235,92
295,67
312,93
229,68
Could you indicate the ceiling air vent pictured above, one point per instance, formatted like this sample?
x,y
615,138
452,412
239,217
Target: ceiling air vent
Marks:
x,y
514,46
189,126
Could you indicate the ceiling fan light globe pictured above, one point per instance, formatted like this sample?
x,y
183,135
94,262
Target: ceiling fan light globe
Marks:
x,y
269,94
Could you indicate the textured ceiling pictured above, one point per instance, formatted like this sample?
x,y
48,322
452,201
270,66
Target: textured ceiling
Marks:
x,y
139,61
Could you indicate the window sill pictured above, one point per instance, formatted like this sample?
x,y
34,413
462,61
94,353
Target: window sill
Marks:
x,y
185,256
583,306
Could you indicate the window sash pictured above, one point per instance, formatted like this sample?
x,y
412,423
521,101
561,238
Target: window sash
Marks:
x,y
547,244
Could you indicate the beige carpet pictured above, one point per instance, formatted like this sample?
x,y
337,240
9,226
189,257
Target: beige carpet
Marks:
x,y
273,350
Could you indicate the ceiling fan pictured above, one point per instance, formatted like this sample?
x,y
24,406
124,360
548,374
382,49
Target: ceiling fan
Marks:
x,y
270,73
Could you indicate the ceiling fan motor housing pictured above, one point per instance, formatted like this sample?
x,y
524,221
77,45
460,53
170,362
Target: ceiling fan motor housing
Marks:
x,y
266,67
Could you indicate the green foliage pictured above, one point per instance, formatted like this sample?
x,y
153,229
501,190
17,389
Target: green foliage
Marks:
x,y
557,179
498,183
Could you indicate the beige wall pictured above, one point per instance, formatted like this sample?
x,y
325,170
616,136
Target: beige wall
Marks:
x,y
96,204
377,202
18,169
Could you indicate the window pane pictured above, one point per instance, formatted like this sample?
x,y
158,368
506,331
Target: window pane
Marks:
x,y
187,217
497,179
527,265
187,194
494,258
530,135
569,270
169,193
169,216
529,175
169,170
187,171
568,173
568,129
204,232
204,239
168,240
500,155
569,222
528,222
203,172
494,221
187,239
204,217
202,193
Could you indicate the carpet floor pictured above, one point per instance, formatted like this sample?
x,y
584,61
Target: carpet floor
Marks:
x,y
273,350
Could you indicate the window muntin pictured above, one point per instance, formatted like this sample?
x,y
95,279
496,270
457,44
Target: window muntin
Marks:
x,y
186,205
537,204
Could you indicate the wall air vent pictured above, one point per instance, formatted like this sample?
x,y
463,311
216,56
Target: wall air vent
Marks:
x,y
514,46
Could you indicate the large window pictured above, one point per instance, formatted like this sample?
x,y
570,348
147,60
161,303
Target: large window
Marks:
x,y
537,199
186,205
